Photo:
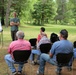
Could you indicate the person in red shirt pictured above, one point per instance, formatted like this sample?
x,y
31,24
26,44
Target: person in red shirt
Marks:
x,y
42,29
19,44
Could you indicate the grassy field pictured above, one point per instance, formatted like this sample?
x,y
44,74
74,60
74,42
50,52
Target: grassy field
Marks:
x,y
30,32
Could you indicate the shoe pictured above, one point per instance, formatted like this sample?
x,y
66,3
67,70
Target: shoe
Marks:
x,y
32,62
36,63
69,68
14,73
19,73
39,73
58,72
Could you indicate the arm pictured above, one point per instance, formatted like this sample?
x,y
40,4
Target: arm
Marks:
x,y
38,45
51,55
52,51
10,48
13,23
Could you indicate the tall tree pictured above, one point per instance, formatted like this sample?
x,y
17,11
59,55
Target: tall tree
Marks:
x,y
61,9
74,10
43,9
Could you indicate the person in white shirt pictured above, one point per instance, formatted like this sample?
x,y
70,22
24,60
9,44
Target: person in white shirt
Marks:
x,y
43,40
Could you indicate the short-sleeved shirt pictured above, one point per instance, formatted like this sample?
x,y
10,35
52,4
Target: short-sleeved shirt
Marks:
x,y
19,45
62,46
14,27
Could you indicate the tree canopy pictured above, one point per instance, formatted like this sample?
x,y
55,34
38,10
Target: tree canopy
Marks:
x,y
40,11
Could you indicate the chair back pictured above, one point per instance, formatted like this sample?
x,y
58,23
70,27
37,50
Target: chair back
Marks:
x,y
45,48
21,55
33,42
63,58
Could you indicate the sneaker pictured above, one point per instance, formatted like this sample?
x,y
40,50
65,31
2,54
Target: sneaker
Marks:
x,y
19,73
32,62
39,73
58,72
69,68
14,73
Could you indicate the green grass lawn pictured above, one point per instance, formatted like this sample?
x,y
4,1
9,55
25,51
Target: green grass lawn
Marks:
x,y
31,31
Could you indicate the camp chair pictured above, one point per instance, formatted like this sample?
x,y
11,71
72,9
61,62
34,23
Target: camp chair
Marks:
x,y
45,48
33,42
21,56
63,59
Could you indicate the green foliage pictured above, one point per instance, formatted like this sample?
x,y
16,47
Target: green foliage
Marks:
x,y
43,11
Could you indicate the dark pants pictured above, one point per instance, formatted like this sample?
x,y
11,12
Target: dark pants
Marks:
x,y
13,35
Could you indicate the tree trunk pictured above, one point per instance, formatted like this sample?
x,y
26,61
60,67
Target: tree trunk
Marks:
x,y
2,17
42,19
2,12
7,13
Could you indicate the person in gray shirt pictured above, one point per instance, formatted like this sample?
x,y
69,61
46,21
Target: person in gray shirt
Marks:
x,y
14,23
62,46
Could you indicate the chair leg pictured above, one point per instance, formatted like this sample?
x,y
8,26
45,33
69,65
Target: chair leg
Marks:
x,y
58,70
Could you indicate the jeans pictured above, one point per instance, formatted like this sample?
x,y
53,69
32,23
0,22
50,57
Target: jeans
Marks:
x,y
10,62
37,52
74,54
46,58
43,59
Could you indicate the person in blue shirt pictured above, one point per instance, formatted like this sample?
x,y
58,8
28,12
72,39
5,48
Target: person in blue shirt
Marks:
x,y
62,46
14,23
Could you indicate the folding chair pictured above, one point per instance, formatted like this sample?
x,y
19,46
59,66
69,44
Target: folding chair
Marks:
x,y
21,56
33,42
63,59
45,48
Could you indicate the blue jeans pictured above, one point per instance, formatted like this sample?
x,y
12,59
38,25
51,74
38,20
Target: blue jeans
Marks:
x,y
10,62
37,52
74,54
43,59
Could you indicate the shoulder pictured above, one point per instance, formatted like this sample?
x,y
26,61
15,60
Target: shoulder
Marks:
x,y
11,19
27,42
13,43
39,35
57,42
17,18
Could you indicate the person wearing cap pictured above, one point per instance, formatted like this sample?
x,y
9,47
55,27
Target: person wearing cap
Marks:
x,y
62,46
19,44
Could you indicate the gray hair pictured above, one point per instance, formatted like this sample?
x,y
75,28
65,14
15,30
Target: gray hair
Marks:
x,y
20,34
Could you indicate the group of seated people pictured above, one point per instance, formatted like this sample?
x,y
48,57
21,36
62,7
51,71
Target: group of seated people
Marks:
x,y
42,39
59,45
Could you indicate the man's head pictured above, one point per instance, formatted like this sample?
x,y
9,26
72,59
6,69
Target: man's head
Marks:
x,y
20,34
14,14
63,34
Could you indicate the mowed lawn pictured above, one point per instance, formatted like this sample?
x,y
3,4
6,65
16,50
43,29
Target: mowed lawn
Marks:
x,y
31,31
